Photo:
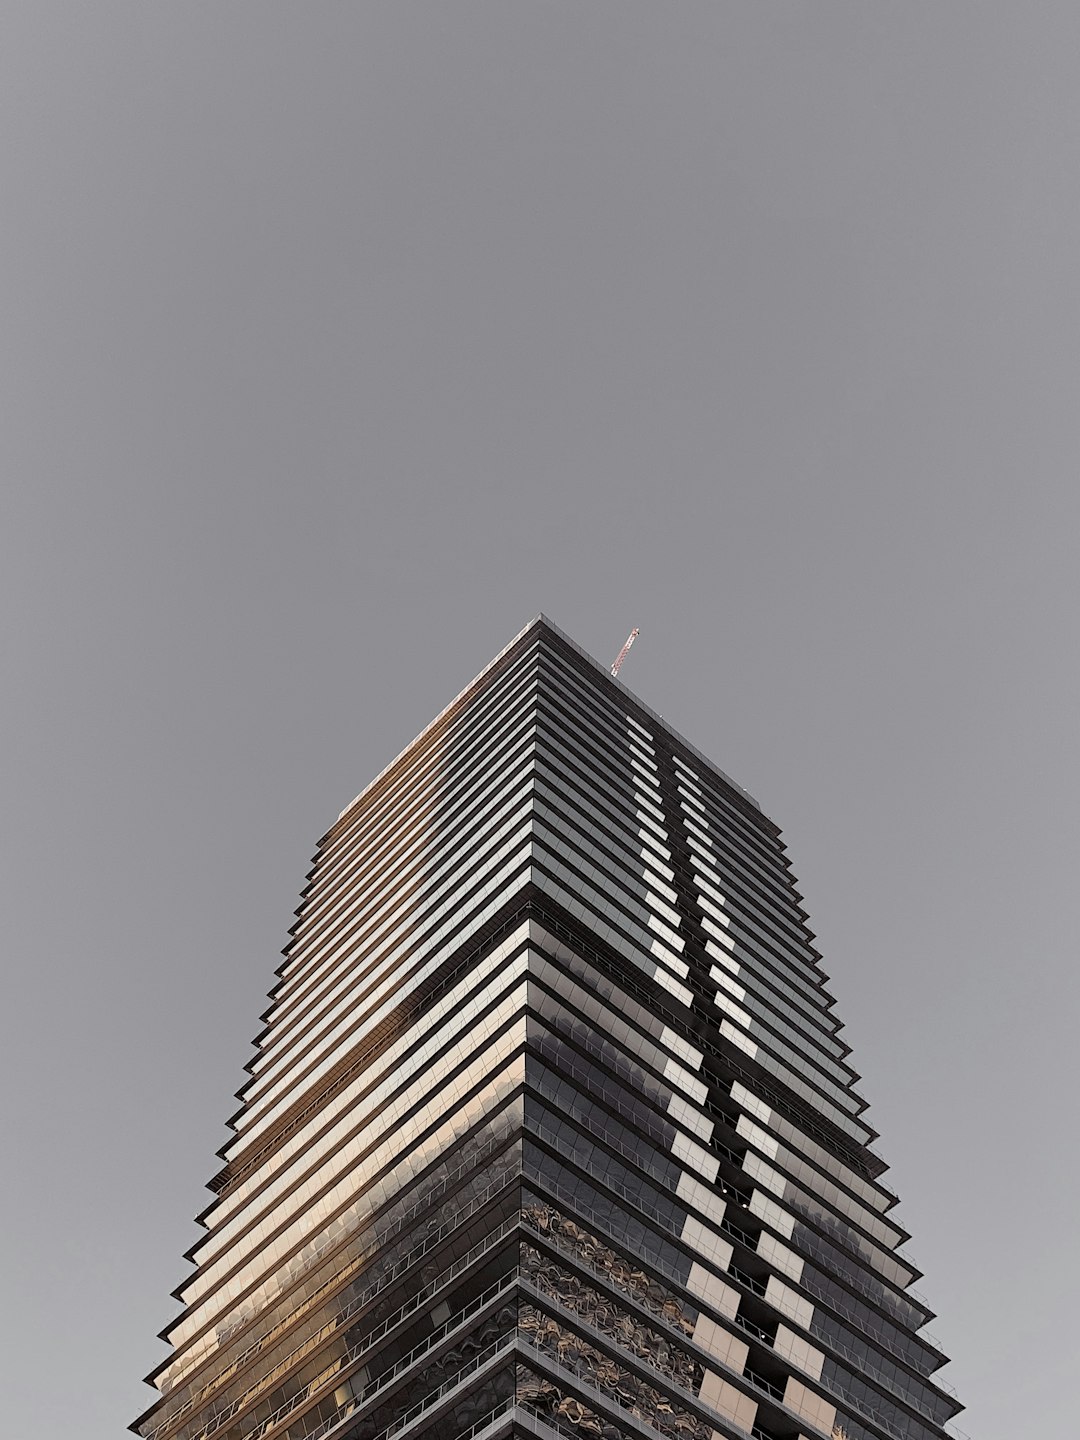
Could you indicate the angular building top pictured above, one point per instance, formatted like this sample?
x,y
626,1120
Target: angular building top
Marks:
x,y
550,1127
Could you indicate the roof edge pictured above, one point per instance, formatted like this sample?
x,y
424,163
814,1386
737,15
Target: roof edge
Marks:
x,y
653,715
541,622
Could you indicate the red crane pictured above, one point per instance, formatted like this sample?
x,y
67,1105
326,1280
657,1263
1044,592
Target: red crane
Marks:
x,y
617,666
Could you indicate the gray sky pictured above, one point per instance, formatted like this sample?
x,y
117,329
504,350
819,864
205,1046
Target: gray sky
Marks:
x,y
337,341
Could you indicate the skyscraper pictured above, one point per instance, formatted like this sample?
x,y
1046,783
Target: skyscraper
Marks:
x,y
550,1129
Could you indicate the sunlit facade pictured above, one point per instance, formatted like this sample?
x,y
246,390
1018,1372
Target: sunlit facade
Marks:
x,y
550,1130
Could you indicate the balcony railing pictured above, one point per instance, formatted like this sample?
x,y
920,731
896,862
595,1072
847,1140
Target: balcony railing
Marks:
x,y
751,1282
384,1236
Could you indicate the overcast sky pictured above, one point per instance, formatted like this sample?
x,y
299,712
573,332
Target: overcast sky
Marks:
x,y
339,340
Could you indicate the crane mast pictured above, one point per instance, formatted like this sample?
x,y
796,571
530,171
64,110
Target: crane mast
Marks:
x,y
617,665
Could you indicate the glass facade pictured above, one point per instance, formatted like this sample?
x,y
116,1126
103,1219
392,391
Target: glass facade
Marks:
x,y
550,1129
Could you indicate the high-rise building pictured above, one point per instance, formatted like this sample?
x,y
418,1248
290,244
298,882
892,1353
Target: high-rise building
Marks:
x,y
550,1129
